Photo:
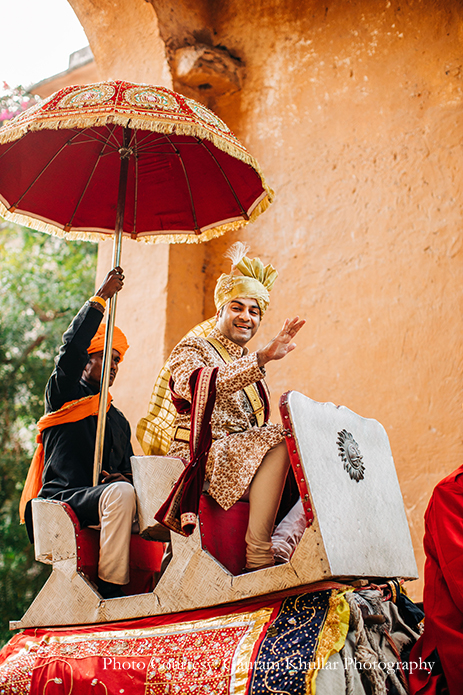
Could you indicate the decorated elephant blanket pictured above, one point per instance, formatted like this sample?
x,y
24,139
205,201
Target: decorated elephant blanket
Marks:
x,y
270,645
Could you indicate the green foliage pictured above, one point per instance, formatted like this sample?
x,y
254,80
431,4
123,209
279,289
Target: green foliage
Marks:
x,y
44,281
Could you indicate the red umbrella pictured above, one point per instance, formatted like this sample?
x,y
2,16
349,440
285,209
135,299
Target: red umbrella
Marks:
x,y
123,159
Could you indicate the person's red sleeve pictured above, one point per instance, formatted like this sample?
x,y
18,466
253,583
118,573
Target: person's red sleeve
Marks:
x,y
444,524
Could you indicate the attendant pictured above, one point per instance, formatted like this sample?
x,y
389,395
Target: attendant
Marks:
x,y
64,458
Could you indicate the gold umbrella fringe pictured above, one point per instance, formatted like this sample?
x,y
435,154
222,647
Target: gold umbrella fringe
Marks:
x,y
181,238
14,131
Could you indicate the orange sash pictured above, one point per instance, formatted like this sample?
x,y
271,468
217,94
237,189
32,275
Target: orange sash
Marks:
x,y
73,411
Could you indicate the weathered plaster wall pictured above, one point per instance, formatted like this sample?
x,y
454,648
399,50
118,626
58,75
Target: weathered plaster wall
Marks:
x,y
124,38
354,111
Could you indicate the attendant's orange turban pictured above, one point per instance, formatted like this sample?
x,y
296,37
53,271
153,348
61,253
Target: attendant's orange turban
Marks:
x,y
119,341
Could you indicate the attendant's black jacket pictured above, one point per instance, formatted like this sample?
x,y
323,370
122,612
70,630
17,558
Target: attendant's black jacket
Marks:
x,y
69,448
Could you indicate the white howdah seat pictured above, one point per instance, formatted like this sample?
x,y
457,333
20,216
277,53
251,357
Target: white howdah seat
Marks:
x,y
356,527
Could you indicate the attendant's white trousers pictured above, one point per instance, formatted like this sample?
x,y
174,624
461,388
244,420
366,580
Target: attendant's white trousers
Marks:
x,y
117,509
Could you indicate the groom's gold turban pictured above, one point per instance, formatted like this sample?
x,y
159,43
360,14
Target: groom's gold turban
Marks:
x,y
255,281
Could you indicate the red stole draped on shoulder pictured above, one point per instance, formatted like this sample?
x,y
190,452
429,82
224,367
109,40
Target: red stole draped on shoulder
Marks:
x,y
180,510
73,411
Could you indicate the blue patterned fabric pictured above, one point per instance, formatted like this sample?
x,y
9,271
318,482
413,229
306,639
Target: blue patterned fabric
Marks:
x,y
289,647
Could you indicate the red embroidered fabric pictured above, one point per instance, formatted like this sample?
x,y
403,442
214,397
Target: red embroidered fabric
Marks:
x,y
180,510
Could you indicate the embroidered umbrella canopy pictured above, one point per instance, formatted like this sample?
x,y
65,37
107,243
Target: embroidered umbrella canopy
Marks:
x,y
122,159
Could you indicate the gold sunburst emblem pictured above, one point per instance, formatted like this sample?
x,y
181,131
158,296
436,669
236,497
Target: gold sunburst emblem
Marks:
x,y
350,454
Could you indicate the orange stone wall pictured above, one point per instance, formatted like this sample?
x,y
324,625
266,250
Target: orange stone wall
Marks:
x,y
354,111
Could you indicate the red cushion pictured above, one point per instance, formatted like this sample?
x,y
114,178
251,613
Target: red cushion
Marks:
x,y
223,532
145,565
145,557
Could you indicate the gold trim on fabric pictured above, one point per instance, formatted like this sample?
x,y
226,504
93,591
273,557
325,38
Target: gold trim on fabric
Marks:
x,y
262,614
242,660
258,408
27,220
260,617
155,431
201,392
331,638
393,590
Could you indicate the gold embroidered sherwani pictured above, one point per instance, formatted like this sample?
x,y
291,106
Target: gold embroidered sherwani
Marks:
x,y
239,445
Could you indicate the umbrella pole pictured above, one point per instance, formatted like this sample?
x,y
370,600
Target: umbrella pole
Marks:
x,y
125,153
